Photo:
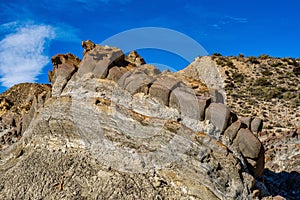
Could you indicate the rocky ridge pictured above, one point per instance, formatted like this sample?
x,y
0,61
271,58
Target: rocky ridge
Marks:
x,y
122,129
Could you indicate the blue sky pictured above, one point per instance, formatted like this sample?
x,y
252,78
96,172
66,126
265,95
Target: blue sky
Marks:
x,y
34,30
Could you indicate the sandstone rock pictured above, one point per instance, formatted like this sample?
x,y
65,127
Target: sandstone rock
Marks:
x,y
65,65
134,58
252,150
150,70
204,102
248,144
256,125
162,87
98,61
115,73
231,132
247,121
135,82
219,115
88,45
185,100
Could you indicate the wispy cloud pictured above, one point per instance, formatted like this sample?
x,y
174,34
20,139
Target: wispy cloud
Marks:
x,y
22,52
230,19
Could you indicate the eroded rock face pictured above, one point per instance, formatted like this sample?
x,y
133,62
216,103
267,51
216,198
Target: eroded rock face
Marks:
x,y
17,106
113,123
65,65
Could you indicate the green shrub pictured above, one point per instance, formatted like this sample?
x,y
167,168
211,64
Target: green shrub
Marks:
x,y
238,77
217,54
296,70
267,73
262,82
229,63
276,64
253,60
264,56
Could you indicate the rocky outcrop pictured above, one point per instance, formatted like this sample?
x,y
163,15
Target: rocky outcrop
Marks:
x,y
17,107
65,65
117,128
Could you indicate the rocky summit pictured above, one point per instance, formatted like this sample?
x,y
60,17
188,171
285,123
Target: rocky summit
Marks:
x,y
111,126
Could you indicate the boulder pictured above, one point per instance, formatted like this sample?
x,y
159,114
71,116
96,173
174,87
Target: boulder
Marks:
x,y
203,104
115,73
247,121
219,115
252,149
162,87
149,69
231,132
185,100
136,82
256,125
98,61
248,143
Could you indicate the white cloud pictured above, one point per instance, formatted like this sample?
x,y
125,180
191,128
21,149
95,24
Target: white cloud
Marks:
x,y
22,53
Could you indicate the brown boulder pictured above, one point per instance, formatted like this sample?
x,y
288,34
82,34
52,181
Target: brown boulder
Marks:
x,y
219,115
252,149
98,61
256,125
162,87
248,143
203,104
115,73
247,121
185,100
231,132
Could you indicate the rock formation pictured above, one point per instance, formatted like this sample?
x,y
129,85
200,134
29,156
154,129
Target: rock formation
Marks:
x,y
113,127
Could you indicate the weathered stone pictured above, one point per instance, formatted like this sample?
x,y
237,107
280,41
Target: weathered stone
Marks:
x,y
256,125
231,132
149,70
247,121
203,105
135,82
219,115
88,45
134,58
65,65
252,149
98,61
248,143
185,100
115,73
162,87
138,83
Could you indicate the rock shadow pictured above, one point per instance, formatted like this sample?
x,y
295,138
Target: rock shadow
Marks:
x,y
285,184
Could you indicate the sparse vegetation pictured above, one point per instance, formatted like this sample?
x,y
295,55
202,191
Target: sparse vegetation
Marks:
x,y
262,82
267,73
253,60
276,64
264,56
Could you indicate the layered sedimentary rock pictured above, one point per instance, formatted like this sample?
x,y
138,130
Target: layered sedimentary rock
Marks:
x,y
113,127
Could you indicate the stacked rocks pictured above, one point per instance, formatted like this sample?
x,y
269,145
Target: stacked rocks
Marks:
x,y
136,77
